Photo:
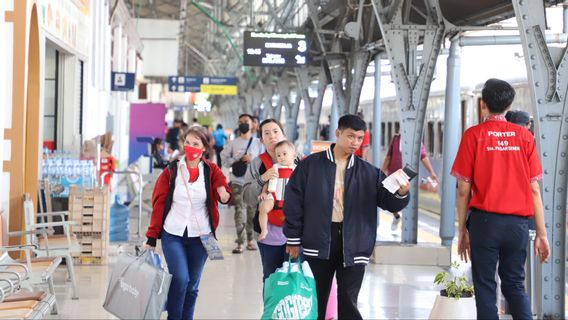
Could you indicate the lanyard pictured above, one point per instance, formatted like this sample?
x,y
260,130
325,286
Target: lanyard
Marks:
x,y
189,198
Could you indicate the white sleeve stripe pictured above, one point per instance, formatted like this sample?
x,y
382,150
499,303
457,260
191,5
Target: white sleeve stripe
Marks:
x,y
399,196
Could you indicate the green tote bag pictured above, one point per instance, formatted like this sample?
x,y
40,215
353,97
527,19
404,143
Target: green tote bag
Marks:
x,y
290,293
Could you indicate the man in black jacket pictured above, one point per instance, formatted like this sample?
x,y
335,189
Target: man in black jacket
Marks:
x,y
331,212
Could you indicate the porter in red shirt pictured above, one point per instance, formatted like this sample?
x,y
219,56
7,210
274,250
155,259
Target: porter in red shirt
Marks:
x,y
500,161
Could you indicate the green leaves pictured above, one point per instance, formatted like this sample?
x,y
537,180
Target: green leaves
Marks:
x,y
440,278
455,287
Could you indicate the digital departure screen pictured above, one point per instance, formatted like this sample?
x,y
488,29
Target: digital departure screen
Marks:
x,y
271,49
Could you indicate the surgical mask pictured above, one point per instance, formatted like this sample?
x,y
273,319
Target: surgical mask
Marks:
x,y
192,153
244,128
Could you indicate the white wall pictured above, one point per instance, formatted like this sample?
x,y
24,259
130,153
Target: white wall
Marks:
x,y
160,39
119,106
97,81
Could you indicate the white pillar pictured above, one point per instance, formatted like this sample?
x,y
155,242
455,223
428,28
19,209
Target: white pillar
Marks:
x,y
377,109
334,116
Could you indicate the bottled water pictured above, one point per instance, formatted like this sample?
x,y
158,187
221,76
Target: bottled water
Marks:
x,y
44,170
53,176
85,172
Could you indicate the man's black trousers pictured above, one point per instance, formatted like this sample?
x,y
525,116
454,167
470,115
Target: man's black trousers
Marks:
x,y
499,239
349,279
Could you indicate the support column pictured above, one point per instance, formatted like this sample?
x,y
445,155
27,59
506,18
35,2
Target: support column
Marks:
x,y
547,70
278,109
360,63
412,78
283,89
182,58
292,111
355,72
256,101
377,109
266,100
248,103
565,16
312,107
451,141
334,117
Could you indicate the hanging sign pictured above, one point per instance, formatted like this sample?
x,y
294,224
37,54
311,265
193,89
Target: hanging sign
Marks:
x,y
122,81
272,49
211,85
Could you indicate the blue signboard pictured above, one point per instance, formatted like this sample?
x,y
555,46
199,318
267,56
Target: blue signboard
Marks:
x,y
193,84
122,81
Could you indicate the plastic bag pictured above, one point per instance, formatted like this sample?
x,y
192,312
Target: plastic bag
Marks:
x,y
290,293
137,289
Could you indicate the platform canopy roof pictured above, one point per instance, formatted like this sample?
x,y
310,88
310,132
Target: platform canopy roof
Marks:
x,y
211,31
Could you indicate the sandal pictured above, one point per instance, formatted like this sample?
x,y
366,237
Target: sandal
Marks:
x,y
251,246
238,249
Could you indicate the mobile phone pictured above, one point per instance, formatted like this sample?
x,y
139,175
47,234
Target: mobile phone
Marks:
x,y
410,172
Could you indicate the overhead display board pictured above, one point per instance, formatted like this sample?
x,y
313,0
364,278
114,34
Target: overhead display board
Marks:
x,y
271,49
212,85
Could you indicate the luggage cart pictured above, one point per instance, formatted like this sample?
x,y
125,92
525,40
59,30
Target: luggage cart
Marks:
x,y
137,240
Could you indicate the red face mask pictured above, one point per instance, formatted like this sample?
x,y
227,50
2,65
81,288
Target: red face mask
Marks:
x,y
192,153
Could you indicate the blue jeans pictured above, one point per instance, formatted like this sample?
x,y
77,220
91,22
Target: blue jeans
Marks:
x,y
272,258
504,239
185,258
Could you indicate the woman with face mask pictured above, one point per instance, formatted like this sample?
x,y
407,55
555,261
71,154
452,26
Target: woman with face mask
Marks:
x,y
184,202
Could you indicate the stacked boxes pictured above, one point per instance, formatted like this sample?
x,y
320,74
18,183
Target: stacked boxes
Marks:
x,y
90,208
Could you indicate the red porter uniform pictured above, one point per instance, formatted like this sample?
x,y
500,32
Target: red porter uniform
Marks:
x,y
500,160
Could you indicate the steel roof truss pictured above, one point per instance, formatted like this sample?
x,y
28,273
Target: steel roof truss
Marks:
x,y
412,78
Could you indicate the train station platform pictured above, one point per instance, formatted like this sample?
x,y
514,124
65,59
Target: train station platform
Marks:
x,y
232,288
100,88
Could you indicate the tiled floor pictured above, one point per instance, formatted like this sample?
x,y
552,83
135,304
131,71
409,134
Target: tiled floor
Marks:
x,y
231,288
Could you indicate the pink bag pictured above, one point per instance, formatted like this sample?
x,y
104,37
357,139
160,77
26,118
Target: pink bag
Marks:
x,y
331,310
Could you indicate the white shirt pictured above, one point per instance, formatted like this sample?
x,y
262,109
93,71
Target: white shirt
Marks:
x,y
184,213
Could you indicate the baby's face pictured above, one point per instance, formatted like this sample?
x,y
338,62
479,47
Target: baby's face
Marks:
x,y
285,155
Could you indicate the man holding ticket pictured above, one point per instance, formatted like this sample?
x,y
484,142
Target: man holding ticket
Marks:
x,y
330,206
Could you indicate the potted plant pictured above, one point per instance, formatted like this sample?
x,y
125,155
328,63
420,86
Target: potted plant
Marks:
x,y
456,299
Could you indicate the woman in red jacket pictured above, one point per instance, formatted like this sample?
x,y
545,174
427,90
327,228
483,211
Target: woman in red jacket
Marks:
x,y
184,208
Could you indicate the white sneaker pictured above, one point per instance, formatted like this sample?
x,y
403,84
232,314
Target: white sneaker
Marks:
x,y
395,223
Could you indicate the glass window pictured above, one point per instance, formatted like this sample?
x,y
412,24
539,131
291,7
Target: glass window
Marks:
x,y
51,82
